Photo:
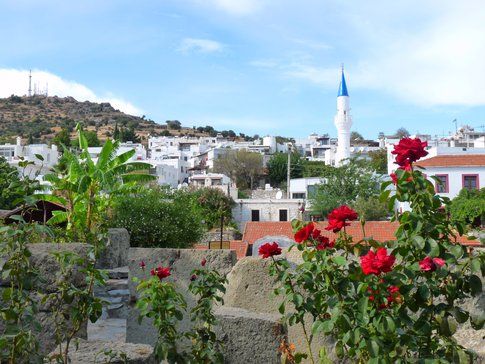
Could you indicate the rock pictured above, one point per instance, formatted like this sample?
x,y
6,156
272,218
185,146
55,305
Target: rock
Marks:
x,y
283,242
252,288
182,261
249,337
115,253
109,352
118,273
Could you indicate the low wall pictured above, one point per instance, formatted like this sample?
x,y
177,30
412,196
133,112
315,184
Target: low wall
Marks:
x,y
182,261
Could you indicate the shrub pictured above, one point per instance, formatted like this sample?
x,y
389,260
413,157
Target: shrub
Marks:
x,y
156,217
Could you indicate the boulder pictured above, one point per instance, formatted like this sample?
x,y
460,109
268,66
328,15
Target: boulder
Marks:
x,y
249,337
108,352
182,262
115,253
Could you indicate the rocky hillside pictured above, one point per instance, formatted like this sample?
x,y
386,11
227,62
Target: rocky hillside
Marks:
x,y
39,118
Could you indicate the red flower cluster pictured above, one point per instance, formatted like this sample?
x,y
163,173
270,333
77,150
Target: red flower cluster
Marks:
x,y
429,264
324,243
377,263
160,272
337,219
409,150
393,295
304,233
310,232
269,249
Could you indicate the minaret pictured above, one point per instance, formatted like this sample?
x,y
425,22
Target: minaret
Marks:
x,y
343,122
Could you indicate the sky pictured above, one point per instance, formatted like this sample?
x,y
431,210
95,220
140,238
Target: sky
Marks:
x,y
267,67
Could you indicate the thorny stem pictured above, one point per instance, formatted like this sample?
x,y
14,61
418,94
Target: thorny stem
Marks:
x,y
307,339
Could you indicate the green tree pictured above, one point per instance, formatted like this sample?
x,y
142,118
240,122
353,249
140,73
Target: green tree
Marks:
x,y
315,168
402,133
9,176
62,138
469,207
356,137
242,166
278,167
378,160
214,205
371,208
88,188
174,124
344,185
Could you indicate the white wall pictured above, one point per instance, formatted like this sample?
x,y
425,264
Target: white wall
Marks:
x,y
268,210
455,177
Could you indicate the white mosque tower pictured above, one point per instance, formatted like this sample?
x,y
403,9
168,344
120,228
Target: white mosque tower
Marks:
x,y
343,122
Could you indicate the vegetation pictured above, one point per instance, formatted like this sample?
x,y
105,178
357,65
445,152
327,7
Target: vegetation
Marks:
x,y
241,166
315,168
278,168
344,186
402,133
158,217
378,160
356,137
469,207
397,301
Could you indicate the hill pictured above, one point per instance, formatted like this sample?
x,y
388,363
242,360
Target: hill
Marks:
x,y
40,118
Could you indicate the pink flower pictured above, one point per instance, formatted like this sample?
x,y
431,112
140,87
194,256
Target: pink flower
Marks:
x,y
269,249
377,263
429,264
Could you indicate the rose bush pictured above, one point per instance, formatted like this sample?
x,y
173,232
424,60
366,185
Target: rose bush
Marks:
x,y
384,302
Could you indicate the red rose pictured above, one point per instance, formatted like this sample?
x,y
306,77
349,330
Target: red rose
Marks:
x,y
429,264
203,262
142,265
394,178
377,263
269,249
338,217
161,272
324,243
304,233
193,277
409,150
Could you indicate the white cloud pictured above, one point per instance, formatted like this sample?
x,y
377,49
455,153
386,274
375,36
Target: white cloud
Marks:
x,y
189,45
14,81
234,7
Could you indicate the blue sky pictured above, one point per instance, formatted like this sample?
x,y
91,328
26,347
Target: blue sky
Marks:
x,y
256,66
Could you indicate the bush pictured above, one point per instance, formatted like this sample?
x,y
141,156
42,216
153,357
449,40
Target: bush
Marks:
x,y
156,217
469,207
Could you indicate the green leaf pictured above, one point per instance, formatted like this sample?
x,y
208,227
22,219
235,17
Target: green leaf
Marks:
x,y
423,291
477,321
373,348
460,315
475,285
447,325
418,242
340,260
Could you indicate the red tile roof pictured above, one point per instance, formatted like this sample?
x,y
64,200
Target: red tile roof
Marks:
x,y
470,160
378,230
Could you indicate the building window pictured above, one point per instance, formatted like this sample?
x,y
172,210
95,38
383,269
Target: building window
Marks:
x,y
470,181
254,215
297,195
442,185
283,215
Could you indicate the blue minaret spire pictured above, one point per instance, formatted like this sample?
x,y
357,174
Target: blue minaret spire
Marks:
x,y
342,90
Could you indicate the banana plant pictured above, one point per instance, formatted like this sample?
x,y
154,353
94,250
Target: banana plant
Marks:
x,y
87,187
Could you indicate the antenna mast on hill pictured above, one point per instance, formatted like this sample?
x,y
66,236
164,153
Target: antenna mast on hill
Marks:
x,y
30,83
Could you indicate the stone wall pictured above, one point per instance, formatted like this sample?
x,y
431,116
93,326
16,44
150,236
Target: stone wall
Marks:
x,y
43,260
182,261
115,253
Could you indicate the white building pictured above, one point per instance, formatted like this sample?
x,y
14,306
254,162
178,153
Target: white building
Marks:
x,y
343,122
302,188
266,210
214,180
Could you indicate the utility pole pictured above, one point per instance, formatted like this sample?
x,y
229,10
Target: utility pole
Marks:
x,y
30,83
288,172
